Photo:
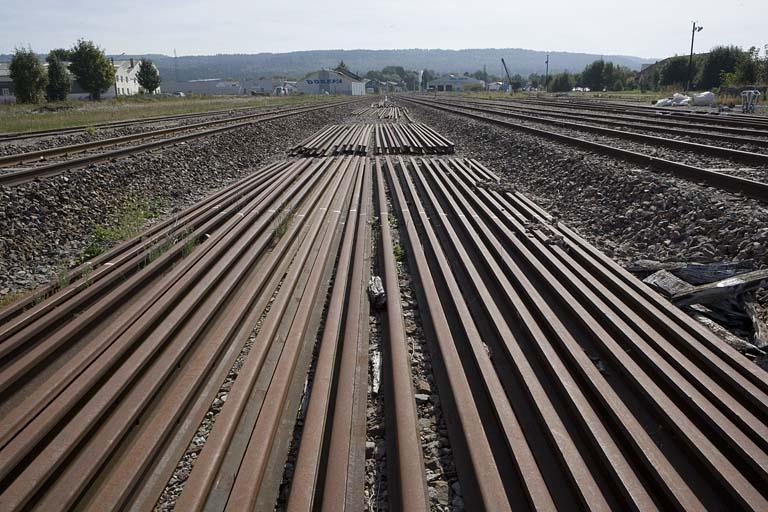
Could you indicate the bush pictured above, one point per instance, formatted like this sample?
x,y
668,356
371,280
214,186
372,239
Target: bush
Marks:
x,y
675,72
58,80
562,83
28,76
148,77
719,60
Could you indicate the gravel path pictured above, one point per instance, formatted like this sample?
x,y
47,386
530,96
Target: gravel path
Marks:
x,y
45,225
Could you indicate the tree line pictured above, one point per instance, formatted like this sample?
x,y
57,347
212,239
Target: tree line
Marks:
x,y
723,66
88,65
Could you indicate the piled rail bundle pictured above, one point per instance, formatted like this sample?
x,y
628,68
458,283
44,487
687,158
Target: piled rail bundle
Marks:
x,y
340,139
568,383
383,111
565,382
412,138
103,385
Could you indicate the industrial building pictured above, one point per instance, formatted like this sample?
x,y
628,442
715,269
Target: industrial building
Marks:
x,y
206,86
456,83
270,86
332,81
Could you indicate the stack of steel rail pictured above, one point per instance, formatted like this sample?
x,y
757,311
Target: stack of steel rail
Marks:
x,y
383,111
568,383
565,382
411,138
104,384
338,139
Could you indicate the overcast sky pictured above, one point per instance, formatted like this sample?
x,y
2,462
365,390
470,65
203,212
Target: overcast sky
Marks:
x,y
651,28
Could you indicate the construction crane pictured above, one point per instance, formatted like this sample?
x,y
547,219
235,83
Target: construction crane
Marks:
x,y
509,78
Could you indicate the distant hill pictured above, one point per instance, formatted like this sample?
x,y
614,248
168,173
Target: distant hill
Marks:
x,y
298,64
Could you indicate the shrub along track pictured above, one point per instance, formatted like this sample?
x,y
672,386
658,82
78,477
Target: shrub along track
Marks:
x,y
564,381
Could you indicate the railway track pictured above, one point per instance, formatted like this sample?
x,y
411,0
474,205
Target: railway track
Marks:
x,y
179,363
680,115
33,134
747,187
737,136
735,155
130,144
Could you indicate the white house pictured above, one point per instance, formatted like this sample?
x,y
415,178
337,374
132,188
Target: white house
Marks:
x,y
126,79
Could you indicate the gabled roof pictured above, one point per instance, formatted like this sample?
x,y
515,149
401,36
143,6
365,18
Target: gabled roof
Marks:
x,y
347,73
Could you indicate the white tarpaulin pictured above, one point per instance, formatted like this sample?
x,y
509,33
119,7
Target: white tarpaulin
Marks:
x,y
705,99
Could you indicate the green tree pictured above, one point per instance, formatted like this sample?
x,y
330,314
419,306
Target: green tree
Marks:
x,y
593,75
562,82
28,76
535,80
517,82
148,77
58,80
747,67
93,70
675,71
719,60
393,71
427,77
62,54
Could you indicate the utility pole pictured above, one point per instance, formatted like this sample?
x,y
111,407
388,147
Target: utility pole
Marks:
x,y
690,59
115,76
546,75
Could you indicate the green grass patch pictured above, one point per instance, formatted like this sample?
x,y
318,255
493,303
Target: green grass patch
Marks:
x,y
10,298
190,243
398,252
63,278
53,116
130,220
159,249
282,223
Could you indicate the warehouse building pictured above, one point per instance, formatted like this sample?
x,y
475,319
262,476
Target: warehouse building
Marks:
x,y
205,86
456,83
332,81
270,86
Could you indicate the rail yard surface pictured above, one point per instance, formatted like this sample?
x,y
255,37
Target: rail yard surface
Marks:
x,y
422,302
